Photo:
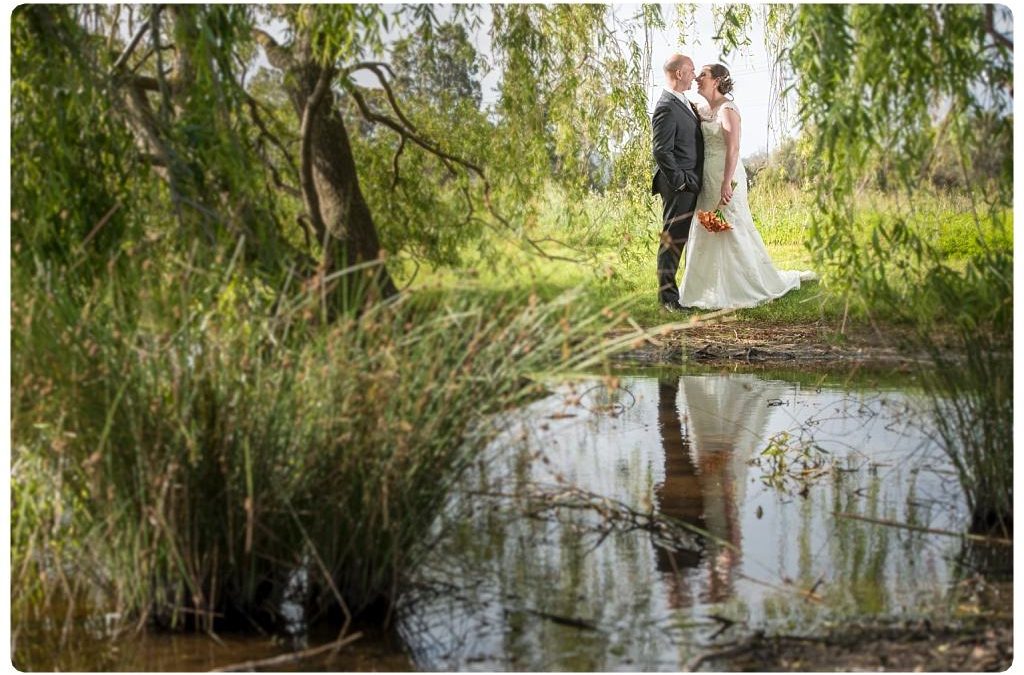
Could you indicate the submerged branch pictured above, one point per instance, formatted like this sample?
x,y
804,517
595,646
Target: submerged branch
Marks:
x,y
998,541
289,658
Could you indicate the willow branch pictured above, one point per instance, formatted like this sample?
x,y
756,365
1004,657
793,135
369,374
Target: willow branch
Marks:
x,y
275,175
394,162
361,65
114,20
375,68
257,119
164,88
408,133
990,28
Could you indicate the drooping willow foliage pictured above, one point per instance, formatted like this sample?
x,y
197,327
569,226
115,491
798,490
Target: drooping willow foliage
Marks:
x,y
890,94
180,104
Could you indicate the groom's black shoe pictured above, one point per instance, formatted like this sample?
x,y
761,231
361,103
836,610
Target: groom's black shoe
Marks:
x,y
671,307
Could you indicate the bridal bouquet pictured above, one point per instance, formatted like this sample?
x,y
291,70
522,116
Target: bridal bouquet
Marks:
x,y
714,221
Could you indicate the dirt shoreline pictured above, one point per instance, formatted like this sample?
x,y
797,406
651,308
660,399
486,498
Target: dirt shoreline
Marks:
x,y
906,647
803,346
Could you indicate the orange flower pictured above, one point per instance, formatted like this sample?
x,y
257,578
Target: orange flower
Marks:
x,y
713,221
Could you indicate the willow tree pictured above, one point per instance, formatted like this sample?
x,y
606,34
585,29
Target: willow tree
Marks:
x,y
164,197
235,168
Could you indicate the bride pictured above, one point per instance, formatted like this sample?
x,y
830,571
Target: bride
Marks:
x,y
729,269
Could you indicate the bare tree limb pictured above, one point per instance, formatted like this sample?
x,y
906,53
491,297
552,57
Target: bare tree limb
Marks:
x,y
114,20
375,68
369,64
165,90
279,57
394,162
123,58
145,83
408,133
990,28
257,119
303,220
448,159
275,175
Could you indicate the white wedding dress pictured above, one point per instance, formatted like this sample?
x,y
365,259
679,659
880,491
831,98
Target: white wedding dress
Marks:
x,y
729,269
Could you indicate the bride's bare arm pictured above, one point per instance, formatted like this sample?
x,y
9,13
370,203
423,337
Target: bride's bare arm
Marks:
x,y
731,132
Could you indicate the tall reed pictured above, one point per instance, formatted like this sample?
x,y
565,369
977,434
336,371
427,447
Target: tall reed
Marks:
x,y
183,443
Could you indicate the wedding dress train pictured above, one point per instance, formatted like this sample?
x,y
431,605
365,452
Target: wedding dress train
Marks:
x,y
729,269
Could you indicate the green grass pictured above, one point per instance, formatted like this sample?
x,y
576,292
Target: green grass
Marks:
x,y
616,238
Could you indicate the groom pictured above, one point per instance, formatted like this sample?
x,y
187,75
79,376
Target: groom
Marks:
x,y
679,153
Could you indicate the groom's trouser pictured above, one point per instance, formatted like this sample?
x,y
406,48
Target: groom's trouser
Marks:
x,y
677,215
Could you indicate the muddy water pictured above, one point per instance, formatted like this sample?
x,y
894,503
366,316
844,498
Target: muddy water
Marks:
x,y
549,561
628,523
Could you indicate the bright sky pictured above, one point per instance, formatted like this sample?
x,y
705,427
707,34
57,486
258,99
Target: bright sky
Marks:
x,y
750,70
751,73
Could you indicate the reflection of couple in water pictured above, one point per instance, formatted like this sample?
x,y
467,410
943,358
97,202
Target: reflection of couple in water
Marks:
x,y
710,425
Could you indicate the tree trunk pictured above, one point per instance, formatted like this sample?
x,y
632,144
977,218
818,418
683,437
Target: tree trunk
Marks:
x,y
337,207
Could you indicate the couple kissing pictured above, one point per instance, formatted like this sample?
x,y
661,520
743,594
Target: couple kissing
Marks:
x,y
699,169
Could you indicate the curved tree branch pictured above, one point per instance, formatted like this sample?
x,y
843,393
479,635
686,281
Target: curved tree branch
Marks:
x,y
123,58
990,28
447,158
394,162
279,57
406,132
260,123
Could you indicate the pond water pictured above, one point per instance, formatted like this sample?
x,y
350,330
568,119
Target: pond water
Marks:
x,y
551,560
625,522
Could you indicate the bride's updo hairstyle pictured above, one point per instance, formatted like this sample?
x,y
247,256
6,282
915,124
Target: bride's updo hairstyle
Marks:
x,y
721,73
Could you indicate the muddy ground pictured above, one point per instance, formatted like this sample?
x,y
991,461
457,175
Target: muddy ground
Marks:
x,y
914,647
809,346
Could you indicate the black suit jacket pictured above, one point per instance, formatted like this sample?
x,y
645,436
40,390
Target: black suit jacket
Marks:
x,y
678,147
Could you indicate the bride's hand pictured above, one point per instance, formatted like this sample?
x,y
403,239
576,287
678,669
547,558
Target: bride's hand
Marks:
x,y
726,192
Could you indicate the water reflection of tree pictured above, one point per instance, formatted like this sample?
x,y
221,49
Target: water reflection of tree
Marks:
x,y
705,472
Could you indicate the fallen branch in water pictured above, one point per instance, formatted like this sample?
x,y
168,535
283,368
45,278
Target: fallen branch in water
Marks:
x,y
289,658
563,620
747,644
930,530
